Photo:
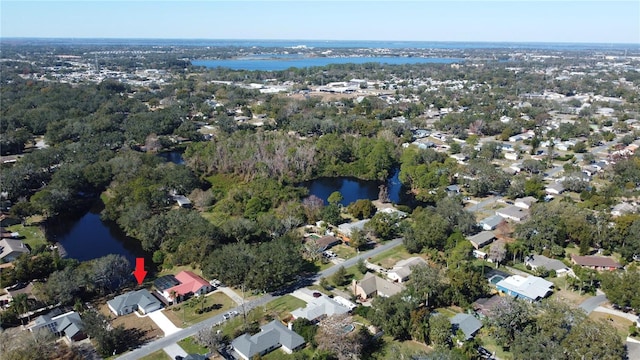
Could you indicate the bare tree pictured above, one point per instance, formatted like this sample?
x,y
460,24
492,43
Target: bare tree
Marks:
x,y
497,252
383,195
209,338
331,337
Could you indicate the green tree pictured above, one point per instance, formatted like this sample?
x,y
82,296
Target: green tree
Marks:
x,y
440,332
340,277
335,198
361,209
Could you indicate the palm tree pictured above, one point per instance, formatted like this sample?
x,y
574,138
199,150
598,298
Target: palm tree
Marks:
x,y
20,304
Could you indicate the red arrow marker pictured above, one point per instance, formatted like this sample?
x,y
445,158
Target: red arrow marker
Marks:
x,y
140,273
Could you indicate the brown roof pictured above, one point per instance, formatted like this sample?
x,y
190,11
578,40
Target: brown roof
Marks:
x,y
597,261
327,241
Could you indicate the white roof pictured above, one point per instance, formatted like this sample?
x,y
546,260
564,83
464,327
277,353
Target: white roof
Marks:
x,y
318,307
532,287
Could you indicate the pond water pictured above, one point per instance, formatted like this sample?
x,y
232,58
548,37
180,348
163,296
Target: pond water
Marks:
x,y
353,189
89,237
173,156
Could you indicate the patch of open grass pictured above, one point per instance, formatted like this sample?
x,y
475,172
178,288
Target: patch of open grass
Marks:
x,y
184,313
191,347
490,344
344,251
448,312
277,354
158,355
282,306
388,258
392,350
31,234
176,269
619,323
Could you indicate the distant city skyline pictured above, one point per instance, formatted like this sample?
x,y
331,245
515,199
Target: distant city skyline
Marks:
x,y
457,21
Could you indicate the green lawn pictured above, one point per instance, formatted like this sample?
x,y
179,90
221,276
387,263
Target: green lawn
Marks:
x,y
176,269
190,346
158,355
282,306
447,312
344,251
388,258
277,354
392,350
185,313
490,344
33,235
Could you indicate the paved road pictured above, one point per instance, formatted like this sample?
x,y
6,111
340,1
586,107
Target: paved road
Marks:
x,y
592,303
192,330
621,314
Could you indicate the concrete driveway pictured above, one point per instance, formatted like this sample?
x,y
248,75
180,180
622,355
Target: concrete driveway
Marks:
x,y
592,303
174,350
163,322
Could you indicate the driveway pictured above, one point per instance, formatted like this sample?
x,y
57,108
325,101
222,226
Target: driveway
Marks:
x,y
174,350
592,303
633,349
621,314
304,294
231,294
163,322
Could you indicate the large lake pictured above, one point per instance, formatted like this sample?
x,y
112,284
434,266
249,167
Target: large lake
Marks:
x,y
275,63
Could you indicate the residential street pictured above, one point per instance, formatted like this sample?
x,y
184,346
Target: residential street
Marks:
x,y
192,330
592,303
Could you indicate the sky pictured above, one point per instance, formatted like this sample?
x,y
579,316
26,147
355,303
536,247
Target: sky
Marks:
x,y
426,20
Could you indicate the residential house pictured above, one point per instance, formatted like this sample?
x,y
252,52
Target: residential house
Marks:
x,y
622,208
67,324
555,188
372,285
141,300
182,285
531,288
11,249
346,229
541,261
513,212
403,268
182,201
525,202
466,323
452,190
271,336
491,222
319,308
326,242
511,155
482,239
484,306
599,263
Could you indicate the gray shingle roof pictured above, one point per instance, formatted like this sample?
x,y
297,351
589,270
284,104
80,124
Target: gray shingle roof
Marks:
x,y
271,336
543,261
467,323
142,298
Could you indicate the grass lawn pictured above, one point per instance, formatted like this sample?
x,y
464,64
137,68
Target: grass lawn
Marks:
x,y
352,274
184,314
176,269
619,323
282,306
344,251
392,350
447,311
388,258
562,293
190,346
490,344
33,235
158,355
522,267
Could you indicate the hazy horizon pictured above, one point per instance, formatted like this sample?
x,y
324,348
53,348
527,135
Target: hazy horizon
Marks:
x,y
591,22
